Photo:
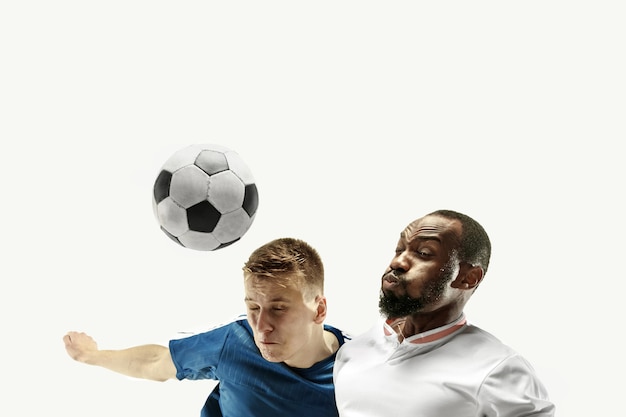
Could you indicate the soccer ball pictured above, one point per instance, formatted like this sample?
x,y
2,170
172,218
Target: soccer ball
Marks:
x,y
205,197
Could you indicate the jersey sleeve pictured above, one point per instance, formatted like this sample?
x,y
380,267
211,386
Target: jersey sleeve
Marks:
x,y
512,389
197,356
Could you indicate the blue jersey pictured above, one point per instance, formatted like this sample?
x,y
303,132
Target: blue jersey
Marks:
x,y
248,384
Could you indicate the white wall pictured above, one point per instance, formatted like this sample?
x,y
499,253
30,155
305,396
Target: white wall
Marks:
x,y
356,118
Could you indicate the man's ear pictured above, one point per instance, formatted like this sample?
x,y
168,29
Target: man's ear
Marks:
x,y
321,309
469,277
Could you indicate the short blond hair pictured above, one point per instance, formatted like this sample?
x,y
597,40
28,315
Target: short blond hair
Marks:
x,y
288,261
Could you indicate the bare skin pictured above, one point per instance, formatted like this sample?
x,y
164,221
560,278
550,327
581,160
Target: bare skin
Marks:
x,y
287,327
424,266
147,362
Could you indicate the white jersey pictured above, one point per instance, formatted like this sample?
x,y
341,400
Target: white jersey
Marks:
x,y
457,370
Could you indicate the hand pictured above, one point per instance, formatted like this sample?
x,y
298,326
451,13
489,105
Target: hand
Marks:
x,y
80,346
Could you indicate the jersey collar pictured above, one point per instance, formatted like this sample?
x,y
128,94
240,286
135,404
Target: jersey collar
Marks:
x,y
425,337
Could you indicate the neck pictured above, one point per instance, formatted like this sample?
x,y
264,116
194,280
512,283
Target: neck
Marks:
x,y
423,322
325,345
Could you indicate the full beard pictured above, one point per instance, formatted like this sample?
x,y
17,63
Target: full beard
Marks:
x,y
393,306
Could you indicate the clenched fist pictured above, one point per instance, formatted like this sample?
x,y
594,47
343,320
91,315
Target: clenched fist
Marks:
x,y
80,346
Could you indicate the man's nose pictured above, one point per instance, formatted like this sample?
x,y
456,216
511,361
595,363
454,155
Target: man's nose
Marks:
x,y
263,323
400,262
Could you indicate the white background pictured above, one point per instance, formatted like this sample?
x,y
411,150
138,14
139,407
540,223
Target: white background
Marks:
x,y
355,118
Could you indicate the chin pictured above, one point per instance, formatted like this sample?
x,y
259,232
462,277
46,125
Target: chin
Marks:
x,y
271,356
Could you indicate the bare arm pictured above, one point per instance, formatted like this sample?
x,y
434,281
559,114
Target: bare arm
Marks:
x,y
152,362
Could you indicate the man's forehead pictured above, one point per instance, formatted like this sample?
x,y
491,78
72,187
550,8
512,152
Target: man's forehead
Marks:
x,y
274,288
283,295
432,226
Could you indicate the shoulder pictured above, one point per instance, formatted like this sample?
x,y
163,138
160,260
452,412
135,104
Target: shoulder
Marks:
x,y
473,335
234,324
363,342
500,361
341,335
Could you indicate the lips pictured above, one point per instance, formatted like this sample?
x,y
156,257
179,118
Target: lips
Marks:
x,y
390,281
